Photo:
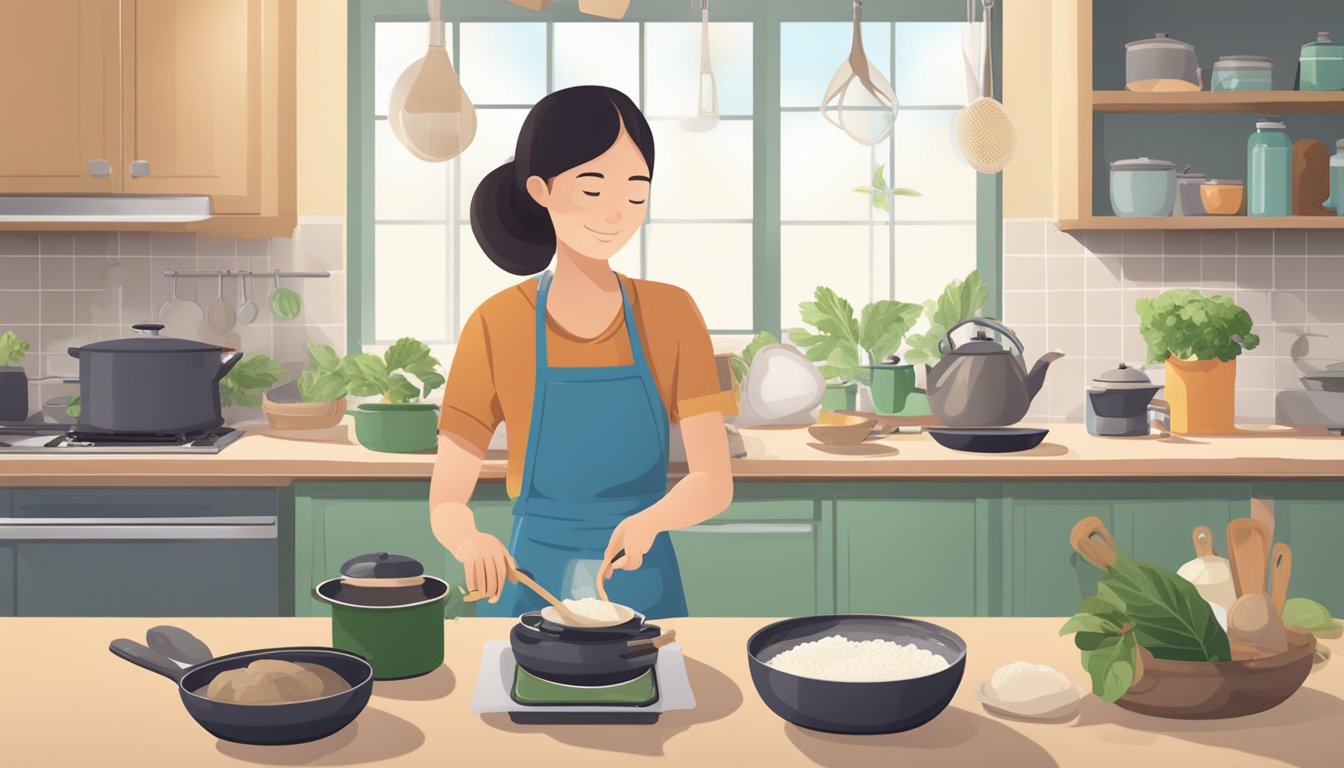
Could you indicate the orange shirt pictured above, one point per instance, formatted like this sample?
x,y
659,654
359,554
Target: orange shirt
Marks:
x,y
493,373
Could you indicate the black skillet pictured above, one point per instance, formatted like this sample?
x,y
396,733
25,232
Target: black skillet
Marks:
x,y
266,724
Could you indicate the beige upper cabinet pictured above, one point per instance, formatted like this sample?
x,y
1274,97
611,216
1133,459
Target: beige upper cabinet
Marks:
x,y
191,74
59,96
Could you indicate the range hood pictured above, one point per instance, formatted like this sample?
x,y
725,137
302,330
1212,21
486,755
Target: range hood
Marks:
x,y
104,208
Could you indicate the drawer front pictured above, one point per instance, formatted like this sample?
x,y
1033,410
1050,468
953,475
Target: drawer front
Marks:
x,y
135,503
749,569
147,578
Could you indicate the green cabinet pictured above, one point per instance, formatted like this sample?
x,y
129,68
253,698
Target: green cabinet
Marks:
x,y
6,579
1310,518
751,569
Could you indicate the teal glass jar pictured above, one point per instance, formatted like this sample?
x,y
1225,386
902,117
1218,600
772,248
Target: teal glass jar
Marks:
x,y
1242,73
1336,201
1322,64
1269,170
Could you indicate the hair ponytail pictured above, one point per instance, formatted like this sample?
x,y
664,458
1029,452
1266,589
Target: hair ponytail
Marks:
x,y
514,230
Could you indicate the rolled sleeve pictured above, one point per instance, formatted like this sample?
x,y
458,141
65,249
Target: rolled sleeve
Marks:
x,y
696,388
471,408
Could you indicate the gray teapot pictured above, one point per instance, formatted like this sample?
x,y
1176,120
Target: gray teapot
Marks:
x,y
980,383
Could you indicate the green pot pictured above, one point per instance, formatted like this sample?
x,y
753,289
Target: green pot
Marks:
x,y
398,640
840,397
891,387
397,427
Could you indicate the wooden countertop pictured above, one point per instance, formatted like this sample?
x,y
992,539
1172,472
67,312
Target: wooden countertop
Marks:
x,y
68,701
265,457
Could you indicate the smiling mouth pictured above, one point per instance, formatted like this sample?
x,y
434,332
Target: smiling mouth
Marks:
x,y
599,232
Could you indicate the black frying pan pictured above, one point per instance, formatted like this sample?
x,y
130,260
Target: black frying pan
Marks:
x,y
267,724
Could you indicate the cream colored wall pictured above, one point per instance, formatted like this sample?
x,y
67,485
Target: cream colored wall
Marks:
x,y
1028,180
321,91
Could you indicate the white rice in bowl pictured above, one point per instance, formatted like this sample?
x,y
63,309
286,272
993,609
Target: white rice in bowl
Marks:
x,y
858,661
592,608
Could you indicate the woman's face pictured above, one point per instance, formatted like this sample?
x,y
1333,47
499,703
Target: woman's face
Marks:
x,y
598,206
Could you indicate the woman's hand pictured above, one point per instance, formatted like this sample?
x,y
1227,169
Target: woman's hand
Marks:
x,y
486,562
635,535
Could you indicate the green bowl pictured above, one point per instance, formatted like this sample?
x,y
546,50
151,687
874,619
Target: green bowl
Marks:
x,y
397,427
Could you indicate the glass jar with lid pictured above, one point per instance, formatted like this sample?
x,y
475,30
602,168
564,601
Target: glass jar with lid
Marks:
x,y
1322,64
1336,201
1242,73
1269,169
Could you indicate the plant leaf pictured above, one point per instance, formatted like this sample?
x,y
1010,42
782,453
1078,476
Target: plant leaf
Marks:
x,y
12,349
73,408
255,373
322,358
321,387
365,374
1089,623
880,177
1170,618
883,325
1111,666
405,353
428,374
906,192
399,389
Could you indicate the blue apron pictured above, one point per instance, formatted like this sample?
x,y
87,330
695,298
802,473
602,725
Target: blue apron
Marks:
x,y
596,454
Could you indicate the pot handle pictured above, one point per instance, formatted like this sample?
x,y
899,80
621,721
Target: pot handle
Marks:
x,y
228,364
142,656
983,322
73,352
650,644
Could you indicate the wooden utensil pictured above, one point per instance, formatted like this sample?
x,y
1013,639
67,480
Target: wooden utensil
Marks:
x,y
562,611
637,647
1281,561
1254,628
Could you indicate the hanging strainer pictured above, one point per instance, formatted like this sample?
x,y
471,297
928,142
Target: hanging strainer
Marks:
x,y
433,116
859,100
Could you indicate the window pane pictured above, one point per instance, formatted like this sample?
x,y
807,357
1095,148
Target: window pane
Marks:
x,y
598,53
397,45
929,65
926,161
819,168
712,262
406,187
410,293
702,175
930,256
504,63
672,67
836,256
811,52
496,138
478,277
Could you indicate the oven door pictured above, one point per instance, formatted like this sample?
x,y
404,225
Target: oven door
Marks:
x,y
144,566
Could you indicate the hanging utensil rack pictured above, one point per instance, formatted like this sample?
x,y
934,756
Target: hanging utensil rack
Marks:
x,y
238,273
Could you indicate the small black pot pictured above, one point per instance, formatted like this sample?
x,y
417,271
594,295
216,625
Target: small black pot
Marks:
x,y
13,393
583,656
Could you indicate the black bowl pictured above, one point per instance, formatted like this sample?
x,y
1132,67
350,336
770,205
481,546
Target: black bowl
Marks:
x,y
988,439
848,707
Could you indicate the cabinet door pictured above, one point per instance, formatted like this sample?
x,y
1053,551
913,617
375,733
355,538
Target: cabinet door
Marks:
x,y
1049,578
6,579
912,557
1310,518
749,569
59,95
192,84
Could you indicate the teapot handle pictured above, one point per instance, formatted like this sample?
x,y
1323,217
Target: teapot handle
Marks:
x,y
983,322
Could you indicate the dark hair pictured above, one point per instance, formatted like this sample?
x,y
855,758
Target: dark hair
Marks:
x,y
565,129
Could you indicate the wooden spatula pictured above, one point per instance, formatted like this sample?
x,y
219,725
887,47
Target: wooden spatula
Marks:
x,y
1254,627
1281,562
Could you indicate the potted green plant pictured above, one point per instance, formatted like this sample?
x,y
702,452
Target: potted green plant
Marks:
x,y
840,337
316,400
396,423
241,388
1198,338
960,301
13,378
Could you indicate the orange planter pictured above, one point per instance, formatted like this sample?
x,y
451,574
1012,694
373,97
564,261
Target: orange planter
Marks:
x,y
1202,394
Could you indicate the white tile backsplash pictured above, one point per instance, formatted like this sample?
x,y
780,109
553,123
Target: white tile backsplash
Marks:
x,y
1290,281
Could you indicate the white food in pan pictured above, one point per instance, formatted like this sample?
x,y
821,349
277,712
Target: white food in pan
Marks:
x,y
862,661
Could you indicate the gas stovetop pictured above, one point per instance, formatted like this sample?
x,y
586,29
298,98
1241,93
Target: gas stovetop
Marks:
x,y
14,440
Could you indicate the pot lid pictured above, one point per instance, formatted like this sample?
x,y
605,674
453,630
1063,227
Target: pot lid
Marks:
x,y
1270,124
1123,377
1190,176
1322,38
981,344
1243,62
1223,182
1339,145
149,340
1143,164
1160,40
381,565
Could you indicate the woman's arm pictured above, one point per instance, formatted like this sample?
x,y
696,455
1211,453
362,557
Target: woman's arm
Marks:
x,y
704,492
484,558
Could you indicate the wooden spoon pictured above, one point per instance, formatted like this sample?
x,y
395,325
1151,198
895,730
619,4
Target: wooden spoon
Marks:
x,y
1254,628
562,611
1282,563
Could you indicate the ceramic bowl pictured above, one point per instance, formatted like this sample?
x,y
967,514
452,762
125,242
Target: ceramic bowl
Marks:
x,y
1222,198
303,415
840,429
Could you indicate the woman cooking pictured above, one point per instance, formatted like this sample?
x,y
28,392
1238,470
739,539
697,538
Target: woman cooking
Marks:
x,y
586,368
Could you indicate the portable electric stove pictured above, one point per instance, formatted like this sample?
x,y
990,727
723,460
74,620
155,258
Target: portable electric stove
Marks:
x,y
70,439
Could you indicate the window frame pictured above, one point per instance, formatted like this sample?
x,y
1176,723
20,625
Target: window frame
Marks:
x,y
766,18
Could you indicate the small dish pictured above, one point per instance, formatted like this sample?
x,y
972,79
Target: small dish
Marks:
x,y
841,429
1054,706
1222,197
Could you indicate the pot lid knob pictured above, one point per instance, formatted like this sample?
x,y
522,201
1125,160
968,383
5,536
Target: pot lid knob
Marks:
x,y
382,565
150,329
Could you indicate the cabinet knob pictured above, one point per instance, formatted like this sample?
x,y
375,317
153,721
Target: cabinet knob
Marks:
x,y
139,168
100,169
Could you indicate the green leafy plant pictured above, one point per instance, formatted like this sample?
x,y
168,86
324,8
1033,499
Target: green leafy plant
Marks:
x,y
1311,616
322,381
1139,604
839,337
367,374
742,362
12,349
1188,325
73,408
961,300
881,194
244,383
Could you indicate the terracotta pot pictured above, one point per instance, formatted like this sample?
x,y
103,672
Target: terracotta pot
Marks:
x,y
303,415
1203,690
1202,394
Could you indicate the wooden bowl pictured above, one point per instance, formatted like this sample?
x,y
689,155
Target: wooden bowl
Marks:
x,y
841,429
1193,690
303,415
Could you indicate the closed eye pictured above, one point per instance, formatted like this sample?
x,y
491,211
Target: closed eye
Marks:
x,y
638,202
591,194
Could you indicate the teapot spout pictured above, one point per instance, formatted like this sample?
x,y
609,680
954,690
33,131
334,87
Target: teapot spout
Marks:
x,y
1037,376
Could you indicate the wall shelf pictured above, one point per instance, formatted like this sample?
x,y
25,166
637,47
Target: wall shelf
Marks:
x,y
1189,223
1248,102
